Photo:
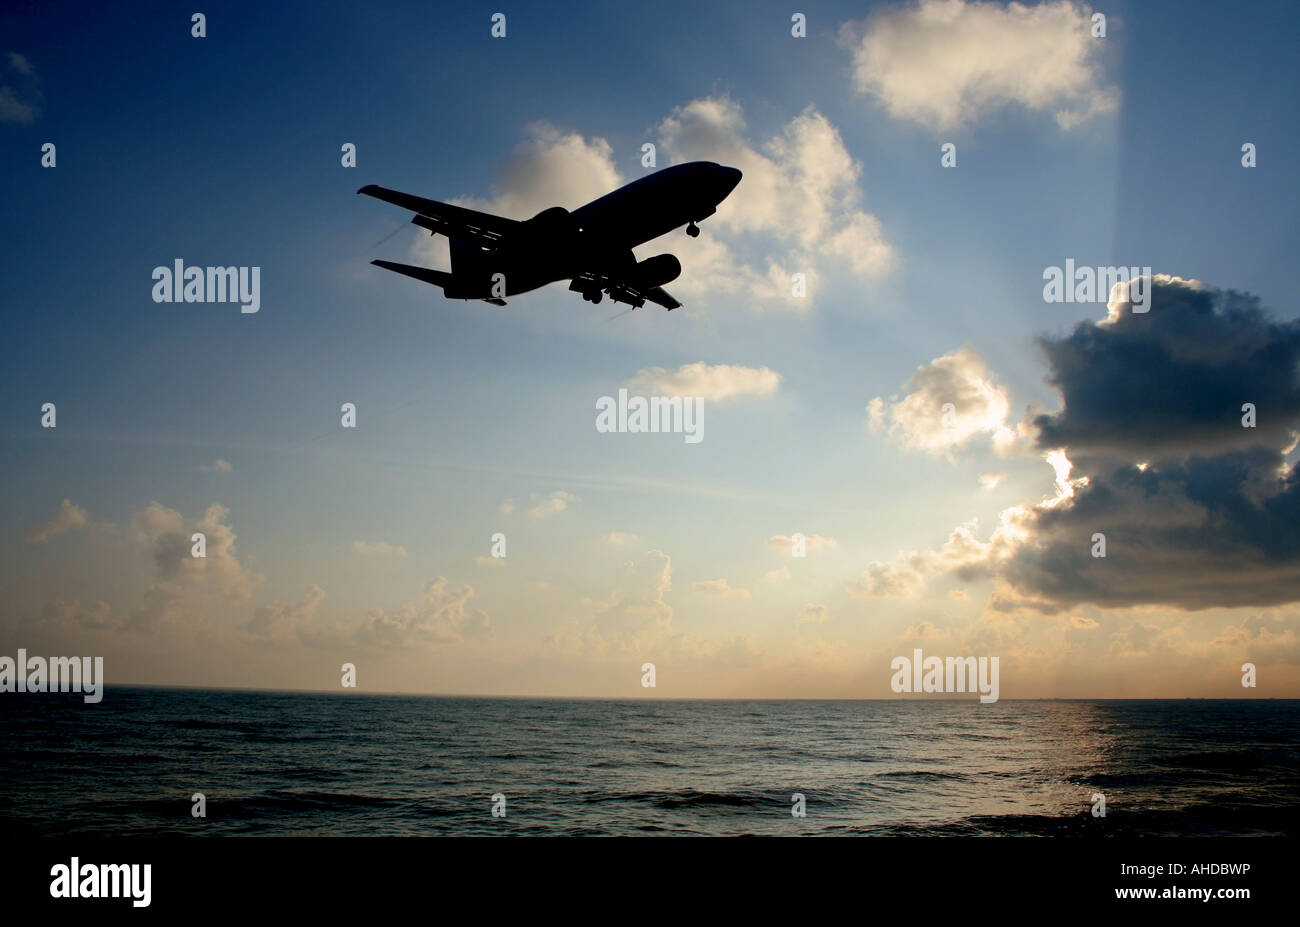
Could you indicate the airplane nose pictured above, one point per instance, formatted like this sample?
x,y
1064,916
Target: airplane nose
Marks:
x,y
730,177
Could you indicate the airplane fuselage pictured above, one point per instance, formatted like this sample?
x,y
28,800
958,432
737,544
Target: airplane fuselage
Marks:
x,y
556,244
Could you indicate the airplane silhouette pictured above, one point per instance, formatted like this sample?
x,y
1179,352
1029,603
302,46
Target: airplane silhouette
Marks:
x,y
492,256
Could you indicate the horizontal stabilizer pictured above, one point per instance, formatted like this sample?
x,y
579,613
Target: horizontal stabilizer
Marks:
x,y
427,274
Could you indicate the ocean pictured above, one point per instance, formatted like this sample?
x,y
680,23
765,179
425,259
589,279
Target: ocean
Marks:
x,y
281,763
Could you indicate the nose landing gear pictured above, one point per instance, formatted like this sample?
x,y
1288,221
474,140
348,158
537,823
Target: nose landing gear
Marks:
x,y
693,230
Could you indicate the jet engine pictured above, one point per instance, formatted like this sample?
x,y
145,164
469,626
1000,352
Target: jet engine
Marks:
x,y
655,271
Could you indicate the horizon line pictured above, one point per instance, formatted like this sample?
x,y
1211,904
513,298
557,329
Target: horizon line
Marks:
x,y
688,698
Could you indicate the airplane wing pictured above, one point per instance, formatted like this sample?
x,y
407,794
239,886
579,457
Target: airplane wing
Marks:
x,y
622,292
446,219
657,294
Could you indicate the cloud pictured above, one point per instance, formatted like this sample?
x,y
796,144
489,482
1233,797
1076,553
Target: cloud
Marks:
x,y
283,623
550,167
64,615
181,579
489,561
619,539
991,480
798,208
69,517
963,554
710,381
636,622
378,549
441,616
217,466
553,504
812,543
1196,511
924,631
18,101
1171,382
719,588
948,403
163,533
507,507
636,608
778,576
813,614
947,64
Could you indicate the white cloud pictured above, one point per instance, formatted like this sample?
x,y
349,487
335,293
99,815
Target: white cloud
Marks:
x,y
948,63
295,622
778,576
553,504
924,631
979,406
507,507
378,549
636,609
962,553
711,381
719,588
812,543
182,583
636,619
619,539
441,616
164,534
549,168
69,517
797,210
489,561
217,466
991,480
813,614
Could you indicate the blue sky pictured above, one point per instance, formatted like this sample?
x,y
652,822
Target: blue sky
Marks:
x,y
225,150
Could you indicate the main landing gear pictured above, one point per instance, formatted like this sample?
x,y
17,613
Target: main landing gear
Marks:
x,y
593,296
693,230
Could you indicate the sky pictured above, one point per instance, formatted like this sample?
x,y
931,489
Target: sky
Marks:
x,y
966,529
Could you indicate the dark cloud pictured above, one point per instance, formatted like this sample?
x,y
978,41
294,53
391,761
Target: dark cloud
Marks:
x,y
1213,531
1171,382
1214,518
